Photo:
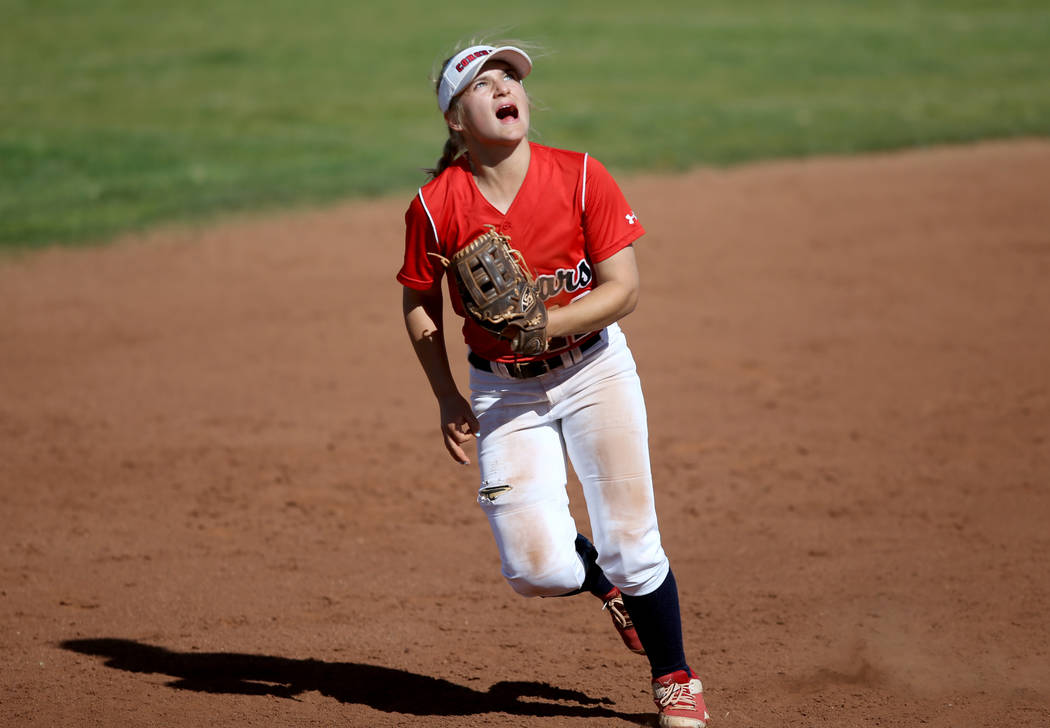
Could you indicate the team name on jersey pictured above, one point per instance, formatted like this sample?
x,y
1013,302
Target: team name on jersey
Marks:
x,y
565,279
467,59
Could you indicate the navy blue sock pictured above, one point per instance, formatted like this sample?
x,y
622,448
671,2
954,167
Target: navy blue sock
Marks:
x,y
594,581
658,620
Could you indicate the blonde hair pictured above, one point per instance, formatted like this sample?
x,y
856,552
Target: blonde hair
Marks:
x,y
455,146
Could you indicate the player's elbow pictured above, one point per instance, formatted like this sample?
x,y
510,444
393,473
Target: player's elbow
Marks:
x,y
630,300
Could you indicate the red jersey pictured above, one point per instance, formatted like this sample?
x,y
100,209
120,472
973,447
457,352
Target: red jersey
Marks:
x,y
568,215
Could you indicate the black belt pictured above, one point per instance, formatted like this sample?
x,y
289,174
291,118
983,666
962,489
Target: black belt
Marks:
x,y
534,368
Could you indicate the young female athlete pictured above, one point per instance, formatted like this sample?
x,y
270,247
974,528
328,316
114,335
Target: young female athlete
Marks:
x,y
581,398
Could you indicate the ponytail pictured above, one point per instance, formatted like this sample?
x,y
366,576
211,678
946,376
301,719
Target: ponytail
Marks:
x,y
454,145
454,148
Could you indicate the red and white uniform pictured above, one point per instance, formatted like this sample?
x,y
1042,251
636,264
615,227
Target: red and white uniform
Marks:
x,y
568,215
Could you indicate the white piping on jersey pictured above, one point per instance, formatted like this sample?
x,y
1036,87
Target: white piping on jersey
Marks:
x,y
429,216
583,198
583,193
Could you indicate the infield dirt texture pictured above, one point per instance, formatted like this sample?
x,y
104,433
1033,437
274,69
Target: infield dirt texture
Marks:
x,y
225,500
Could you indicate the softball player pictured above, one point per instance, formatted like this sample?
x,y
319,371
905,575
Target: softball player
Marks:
x,y
581,398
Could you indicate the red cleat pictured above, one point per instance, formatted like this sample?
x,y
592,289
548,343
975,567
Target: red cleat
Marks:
x,y
679,698
622,621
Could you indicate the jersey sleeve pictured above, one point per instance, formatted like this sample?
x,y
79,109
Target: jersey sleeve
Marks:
x,y
609,223
418,270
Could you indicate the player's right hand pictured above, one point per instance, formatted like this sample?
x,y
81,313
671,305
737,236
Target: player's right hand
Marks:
x,y
458,426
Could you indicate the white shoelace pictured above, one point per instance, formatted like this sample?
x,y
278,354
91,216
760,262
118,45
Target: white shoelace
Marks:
x,y
619,613
675,695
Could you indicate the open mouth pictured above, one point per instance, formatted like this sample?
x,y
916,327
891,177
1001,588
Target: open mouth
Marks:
x,y
507,111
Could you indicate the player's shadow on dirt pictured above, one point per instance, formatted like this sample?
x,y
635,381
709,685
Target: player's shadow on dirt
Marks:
x,y
382,688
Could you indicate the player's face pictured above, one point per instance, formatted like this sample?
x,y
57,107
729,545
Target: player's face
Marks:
x,y
494,108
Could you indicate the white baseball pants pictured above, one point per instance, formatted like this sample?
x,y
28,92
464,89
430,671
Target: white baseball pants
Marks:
x,y
594,413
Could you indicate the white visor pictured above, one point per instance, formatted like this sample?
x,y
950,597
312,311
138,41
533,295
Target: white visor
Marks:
x,y
466,64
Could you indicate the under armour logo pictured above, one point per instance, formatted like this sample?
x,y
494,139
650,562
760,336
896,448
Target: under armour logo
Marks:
x,y
631,218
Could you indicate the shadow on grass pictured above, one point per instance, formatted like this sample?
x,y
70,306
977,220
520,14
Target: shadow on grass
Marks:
x,y
381,688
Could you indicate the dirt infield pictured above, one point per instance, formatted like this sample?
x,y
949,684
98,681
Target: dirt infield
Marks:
x,y
224,500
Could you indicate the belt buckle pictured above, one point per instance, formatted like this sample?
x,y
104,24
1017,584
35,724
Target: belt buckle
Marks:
x,y
538,367
534,368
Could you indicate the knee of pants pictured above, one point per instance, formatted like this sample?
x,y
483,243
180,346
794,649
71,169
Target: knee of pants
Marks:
x,y
548,578
542,587
638,568
641,581
536,537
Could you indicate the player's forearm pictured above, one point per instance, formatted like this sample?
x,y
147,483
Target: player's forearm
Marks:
x,y
423,322
614,296
607,303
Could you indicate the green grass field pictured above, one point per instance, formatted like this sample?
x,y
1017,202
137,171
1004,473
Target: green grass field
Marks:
x,y
116,115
